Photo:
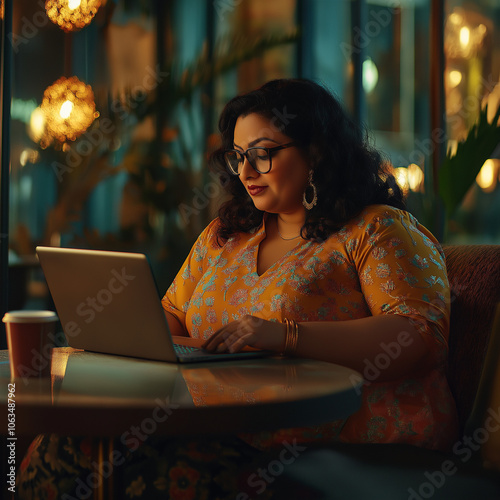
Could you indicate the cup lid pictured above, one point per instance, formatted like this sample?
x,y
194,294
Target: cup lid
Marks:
x,y
29,317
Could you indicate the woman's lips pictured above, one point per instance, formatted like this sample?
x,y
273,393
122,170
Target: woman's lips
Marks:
x,y
256,190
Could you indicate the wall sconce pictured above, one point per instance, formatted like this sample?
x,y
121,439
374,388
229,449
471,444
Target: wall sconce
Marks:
x,y
72,15
68,109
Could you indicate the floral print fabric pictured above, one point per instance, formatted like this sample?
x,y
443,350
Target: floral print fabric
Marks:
x,y
57,467
382,262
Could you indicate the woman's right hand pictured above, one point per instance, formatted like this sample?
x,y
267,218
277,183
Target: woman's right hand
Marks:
x,y
248,331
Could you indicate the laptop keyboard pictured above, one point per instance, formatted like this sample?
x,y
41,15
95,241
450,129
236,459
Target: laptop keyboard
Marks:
x,y
184,349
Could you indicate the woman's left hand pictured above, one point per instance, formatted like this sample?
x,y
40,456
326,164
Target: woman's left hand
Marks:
x,y
248,331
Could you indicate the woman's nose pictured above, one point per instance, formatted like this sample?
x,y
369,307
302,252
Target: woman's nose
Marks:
x,y
247,171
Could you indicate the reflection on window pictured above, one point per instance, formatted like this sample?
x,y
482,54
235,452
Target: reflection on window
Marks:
x,y
471,80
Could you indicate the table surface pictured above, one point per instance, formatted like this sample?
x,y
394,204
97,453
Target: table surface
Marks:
x,y
104,395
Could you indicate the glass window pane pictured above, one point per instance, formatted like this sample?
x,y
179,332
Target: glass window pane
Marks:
x,y
471,80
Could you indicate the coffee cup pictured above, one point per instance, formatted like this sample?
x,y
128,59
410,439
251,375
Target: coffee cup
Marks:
x,y
30,339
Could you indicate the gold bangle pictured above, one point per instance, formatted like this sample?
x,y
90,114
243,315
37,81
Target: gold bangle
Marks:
x,y
294,340
287,336
291,337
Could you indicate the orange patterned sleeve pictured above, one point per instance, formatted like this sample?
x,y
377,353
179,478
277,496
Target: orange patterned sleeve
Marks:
x,y
402,271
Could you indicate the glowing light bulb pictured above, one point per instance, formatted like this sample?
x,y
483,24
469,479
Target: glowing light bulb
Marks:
x,y
69,109
454,77
464,36
74,4
66,108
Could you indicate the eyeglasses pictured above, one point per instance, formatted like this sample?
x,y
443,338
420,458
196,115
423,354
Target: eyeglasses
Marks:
x,y
259,158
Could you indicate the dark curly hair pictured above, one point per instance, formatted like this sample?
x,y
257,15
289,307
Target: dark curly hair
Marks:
x,y
348,173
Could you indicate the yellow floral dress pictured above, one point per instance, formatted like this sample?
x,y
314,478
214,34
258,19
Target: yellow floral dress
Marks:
x,y
383,262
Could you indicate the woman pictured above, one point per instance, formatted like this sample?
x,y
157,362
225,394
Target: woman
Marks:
x,y
315,234
313,255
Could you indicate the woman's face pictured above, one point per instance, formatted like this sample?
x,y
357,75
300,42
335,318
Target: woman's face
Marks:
x,y
280,190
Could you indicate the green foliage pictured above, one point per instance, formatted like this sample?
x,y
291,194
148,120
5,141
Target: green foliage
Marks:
x,y
458,170
228,53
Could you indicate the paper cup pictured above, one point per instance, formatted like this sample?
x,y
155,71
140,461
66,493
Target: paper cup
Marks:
x,y
30,339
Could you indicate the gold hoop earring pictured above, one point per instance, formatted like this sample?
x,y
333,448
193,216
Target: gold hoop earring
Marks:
x,y
309,204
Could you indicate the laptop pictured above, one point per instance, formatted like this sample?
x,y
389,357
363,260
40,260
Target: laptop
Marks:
x,y
108,302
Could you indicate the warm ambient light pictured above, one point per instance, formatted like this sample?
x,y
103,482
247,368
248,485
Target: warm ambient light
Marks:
x,y
72,15
456,18
410,178
464,36
486,179
401,175
68,110
36,126
29,156
415,177
454,78
492,100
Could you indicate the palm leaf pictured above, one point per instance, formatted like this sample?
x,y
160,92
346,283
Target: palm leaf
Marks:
x,y
459,170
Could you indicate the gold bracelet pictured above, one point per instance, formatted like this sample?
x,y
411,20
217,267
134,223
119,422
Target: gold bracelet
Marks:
x,y
287,335
291,337
295,337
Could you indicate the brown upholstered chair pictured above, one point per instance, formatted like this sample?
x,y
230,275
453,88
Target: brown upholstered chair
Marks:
x,y
360,472
474,276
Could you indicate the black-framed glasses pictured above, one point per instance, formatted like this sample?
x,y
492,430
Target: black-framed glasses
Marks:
x,y
259,158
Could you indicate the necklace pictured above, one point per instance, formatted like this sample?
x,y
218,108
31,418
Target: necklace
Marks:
x,y
283,238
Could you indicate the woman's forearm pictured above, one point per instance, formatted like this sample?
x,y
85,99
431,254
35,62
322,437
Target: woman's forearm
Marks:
x,y
388,342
